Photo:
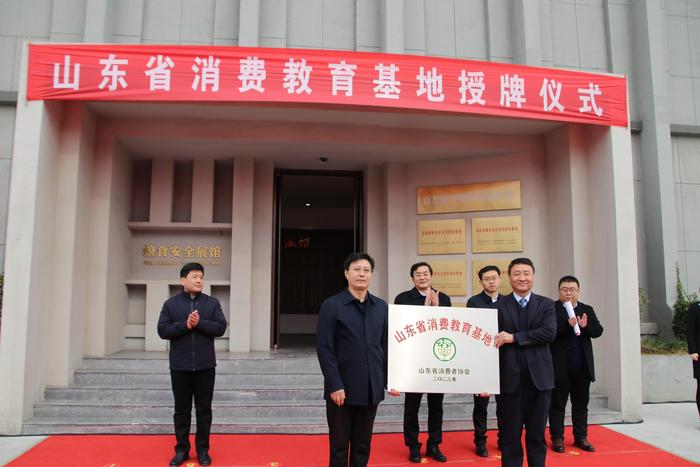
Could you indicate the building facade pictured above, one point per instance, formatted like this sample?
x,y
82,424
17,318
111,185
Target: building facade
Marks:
x,y
94,184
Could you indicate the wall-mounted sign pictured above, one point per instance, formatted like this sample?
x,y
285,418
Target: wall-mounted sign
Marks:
x,y
169,253
450,277
493,196
440,237
502,264
159,255
497,234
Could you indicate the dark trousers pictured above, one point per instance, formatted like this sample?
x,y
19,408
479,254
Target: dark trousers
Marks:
x,y
481,405
526,406
410,419
577,385
697,395
186,386
349,426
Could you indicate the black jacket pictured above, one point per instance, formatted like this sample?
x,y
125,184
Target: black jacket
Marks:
x,y
191,349
483,300
351,343
414,297
531,343
561,346
693,334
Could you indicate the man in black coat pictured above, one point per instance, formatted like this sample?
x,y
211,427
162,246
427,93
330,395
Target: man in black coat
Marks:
x,y
572,356
693,335
490,278
422,294
351,344
526,325
190,321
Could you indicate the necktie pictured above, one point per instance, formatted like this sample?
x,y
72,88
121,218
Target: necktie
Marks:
x,y
523,303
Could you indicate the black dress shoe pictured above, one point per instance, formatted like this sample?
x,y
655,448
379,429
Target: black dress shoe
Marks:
x,y
584,444
203,458
414,455
180,457
558,445
481,450
434,452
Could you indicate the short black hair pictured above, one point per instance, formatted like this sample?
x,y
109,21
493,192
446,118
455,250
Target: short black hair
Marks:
x,y
356,256
526,261
417,265
569,279
189,267
488,268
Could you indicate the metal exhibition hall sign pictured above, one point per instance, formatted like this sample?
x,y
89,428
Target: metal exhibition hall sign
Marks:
x,y
172,73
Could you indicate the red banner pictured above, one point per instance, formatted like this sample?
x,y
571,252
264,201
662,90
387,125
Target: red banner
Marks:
x,y
114,72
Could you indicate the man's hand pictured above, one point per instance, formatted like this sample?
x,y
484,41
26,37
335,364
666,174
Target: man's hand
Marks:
x,y
573,321
394,392
193,319
583,321
338,397
483,394
503,338
433,298
694,356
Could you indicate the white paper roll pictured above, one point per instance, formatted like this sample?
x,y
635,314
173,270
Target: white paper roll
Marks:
x,y
570,311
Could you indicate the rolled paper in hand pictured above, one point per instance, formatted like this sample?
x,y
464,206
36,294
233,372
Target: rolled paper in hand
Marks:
x,y
570,311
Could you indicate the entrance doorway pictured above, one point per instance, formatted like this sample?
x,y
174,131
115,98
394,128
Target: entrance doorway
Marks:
x,y
318,223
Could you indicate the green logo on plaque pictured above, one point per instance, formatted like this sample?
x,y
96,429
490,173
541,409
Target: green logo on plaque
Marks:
x,y
444,349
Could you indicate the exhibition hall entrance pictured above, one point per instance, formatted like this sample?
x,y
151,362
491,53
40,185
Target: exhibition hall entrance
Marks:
x,y
318,224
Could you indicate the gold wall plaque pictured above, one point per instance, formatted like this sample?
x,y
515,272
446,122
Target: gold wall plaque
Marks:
x,y
502,264
440,237
497,234
450,277
491,196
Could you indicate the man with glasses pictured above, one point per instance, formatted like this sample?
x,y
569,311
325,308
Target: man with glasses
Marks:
x,y
423,294
572,356
351,343
490,279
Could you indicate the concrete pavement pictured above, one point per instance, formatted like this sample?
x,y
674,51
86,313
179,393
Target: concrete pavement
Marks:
x,y
673,427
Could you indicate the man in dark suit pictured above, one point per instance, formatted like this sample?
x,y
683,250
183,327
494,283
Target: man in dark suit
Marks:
x,y
490,278
351,343
526,325
191,320
572,357
422,294
693,335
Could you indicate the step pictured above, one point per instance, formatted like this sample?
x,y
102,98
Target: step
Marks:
x,y
68,409
136,378
256,364
265,392
311,425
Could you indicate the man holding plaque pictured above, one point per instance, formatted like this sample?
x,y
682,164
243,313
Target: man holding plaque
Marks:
x,y
572,355
422,294
490,279
526,324
351,344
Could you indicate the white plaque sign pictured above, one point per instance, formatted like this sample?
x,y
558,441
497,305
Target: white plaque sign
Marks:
x,y
443,349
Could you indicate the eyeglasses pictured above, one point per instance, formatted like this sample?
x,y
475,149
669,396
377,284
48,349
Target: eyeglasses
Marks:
x,y
567,290
421,274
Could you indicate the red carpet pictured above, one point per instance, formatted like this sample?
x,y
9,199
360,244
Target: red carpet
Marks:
x,y
613,449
